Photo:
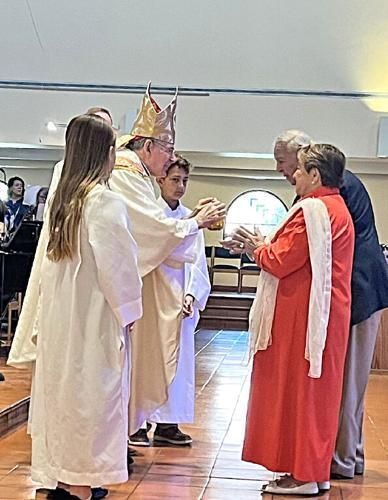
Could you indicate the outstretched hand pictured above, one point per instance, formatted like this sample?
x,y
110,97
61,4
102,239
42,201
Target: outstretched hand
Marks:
x,y
243,241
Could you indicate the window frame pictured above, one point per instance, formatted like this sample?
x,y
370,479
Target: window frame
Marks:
x,y
251,191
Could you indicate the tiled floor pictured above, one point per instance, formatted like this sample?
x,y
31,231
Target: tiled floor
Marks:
x,y
15,387
211,469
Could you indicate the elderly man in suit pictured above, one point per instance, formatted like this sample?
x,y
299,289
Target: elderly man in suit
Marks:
x,y
369,298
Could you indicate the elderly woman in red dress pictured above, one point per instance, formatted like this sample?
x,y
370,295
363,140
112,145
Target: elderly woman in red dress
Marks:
x,y
299,327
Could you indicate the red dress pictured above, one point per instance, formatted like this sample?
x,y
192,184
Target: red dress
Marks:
x,y
292,419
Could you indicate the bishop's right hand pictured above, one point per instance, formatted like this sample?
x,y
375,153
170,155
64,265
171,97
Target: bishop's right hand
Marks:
x,y
210,213
200,204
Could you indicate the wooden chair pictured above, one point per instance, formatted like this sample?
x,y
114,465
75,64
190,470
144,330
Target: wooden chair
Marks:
x,y
209,252
247,268
231,267
14,305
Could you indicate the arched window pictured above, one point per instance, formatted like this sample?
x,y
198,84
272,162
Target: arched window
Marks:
x,y
255,209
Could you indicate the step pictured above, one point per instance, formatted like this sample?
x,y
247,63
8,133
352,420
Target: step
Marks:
x,y
225,313
245,307
14,415
229,302
223,323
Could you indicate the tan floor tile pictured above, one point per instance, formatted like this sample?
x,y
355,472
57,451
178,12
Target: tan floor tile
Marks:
x,y
16,493
361,493
150,491
186,481
212,468
185,461
215,494
237,463
230,473
235,484
201,452
184,470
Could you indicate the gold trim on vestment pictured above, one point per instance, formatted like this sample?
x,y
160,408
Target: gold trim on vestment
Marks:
x,y
129,166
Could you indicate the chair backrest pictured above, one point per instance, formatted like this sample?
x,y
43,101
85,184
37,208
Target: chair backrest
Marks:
x,y
209,252
245,259
222,253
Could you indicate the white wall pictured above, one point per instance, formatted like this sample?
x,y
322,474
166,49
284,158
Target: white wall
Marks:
x,y
227,189
213,124
251,44
224,177
302,44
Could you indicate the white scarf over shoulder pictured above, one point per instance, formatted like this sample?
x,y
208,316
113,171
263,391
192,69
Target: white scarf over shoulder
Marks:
x,y
261,316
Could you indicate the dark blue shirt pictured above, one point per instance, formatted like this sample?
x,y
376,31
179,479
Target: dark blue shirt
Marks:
x,y
370,270
16,212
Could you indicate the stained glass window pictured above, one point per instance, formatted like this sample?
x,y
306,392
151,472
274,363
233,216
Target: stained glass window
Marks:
x,y
255,210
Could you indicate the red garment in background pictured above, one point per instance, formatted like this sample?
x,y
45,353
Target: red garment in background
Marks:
x,y
292,419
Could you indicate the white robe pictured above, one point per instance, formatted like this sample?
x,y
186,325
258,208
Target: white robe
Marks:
x,y
80,400
23,349
192,279
156,337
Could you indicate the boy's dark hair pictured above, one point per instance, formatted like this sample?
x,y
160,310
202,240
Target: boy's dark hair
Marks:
x,y
181,163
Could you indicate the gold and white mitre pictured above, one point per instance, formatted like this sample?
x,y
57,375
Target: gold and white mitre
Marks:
x,y
152,121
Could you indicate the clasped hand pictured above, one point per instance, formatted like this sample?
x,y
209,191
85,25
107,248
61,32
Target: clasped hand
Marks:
x,y
243,241
188,307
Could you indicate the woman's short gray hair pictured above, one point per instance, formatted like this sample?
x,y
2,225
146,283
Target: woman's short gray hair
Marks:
x,y
293,139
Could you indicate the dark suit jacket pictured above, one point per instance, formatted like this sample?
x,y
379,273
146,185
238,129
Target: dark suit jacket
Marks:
x,y
370,270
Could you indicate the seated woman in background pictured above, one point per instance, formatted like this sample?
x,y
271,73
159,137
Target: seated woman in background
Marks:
x,y
299,325
90,295
3,217
41,198
17,210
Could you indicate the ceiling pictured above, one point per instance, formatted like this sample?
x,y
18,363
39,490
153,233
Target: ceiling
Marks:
x,y
337,45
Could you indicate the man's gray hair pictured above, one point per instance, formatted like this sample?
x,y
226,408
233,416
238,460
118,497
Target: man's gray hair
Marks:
x,y
293,139
137,144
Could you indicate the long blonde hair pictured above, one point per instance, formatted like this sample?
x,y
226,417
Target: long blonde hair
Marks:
x,y
89,139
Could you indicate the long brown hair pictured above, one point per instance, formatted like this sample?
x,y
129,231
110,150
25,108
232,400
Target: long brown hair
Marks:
x,y
96,110
89,139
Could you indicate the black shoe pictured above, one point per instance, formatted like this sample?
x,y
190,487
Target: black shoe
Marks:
x,y
2,378
130,460
132,453
339,477
61,494
98,493
171,434
58,494
140,438
359,470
